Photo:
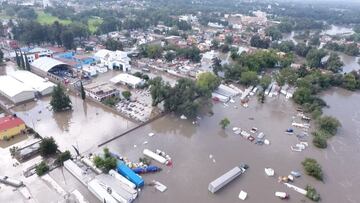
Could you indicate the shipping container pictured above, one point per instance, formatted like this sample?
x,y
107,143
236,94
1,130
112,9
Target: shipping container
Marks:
x,y
129,174
226,178
122,179
116,189
100,192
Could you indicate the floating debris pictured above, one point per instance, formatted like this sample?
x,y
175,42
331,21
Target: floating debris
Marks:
x,y
242,195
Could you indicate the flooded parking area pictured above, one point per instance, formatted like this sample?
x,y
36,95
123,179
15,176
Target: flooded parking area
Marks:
x,y
191,146
84,127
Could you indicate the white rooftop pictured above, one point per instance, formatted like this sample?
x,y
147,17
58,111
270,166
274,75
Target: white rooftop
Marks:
x,y
12,87
46,63
126,78
30,79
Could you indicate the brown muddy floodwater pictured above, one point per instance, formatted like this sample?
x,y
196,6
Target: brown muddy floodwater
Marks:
x,y
84,127
190,147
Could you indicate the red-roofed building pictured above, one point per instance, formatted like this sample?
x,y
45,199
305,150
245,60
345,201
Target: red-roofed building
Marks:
x,y
10,126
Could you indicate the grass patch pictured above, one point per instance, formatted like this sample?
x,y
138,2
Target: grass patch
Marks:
x,y
94,23
48,19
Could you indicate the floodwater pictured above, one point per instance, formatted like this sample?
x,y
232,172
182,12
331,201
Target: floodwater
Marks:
x,y
338,30
350,62
84,127
190,147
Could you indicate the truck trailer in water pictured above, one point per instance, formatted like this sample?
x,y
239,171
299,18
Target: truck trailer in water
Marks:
x,y
125,171
226,178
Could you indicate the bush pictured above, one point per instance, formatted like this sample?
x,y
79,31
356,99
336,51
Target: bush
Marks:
x,y
319,141
329,125
63,157
126,95
312,168
312,194
42,168
107,163
48,146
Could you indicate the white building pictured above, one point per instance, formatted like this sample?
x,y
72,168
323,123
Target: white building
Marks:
x,y
38,84
15,90
114,59
127,79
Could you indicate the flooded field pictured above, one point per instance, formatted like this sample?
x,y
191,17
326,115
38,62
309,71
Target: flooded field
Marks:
x,y
84,127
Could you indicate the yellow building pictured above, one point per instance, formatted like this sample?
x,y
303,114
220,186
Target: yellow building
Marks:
x,y
10,126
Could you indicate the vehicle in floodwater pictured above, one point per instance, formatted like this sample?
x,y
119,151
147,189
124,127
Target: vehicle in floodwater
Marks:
x,y
227,178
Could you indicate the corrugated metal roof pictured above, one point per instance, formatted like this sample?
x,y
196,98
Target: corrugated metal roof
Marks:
x,y
12,87
46,63
30,79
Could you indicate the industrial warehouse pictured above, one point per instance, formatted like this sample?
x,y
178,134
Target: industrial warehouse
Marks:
x,y
21,86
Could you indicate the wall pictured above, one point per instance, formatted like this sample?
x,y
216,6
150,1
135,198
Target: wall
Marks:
x,y
12,132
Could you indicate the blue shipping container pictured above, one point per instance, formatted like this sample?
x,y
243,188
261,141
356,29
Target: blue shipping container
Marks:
x,y
129,174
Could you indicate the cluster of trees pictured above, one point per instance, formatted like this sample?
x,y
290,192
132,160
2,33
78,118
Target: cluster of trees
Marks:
x,y
32,32
349,49
312,168
22,60
327,128
105,162
186,96
113,45
60,101
41,168
256,41
19,11
274,33
172,52
246,68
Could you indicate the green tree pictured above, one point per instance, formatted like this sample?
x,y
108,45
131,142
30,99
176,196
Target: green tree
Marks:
x,y
126,95
334,63
1,56
352,49
151,51
229,39
60,100
302,95
169,56
67,38
17,57
274,33
82,91
158,90
224,123
328,124
249,78
48,146
22,61
261,96
27,64
312,194
319,140
214,44
312,168
349,82
62,157
206,83
265,81
256,41
314,56
301,49
41,168
216,65
105,163
113,45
